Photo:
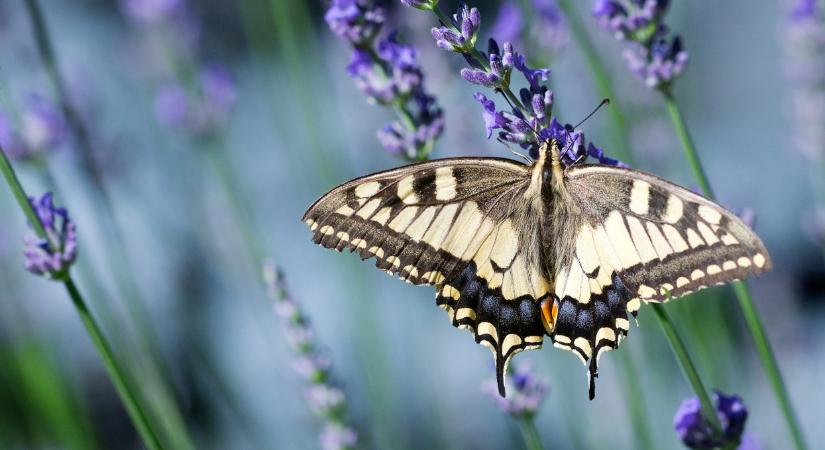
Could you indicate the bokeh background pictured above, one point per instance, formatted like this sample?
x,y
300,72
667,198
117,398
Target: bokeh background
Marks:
x,y
282,122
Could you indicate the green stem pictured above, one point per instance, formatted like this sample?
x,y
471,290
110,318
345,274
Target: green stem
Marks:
x,y
602,80
136,413
757,330
172,418
687,144
688,369
768,359
529,434
20,195
116,374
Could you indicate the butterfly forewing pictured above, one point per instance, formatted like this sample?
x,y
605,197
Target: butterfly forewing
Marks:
x,y
461,224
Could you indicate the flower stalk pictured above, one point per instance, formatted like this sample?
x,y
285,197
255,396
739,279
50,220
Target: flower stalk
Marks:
x,y
113,368
687,366
657,58
740,288
157,372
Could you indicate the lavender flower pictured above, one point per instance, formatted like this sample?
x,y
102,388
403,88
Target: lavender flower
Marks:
x,y
387,71
544,29
51,257
526,397
324,398
531,123
654,57
41,130
695,431
10,139
461,35
357,21
200,113
149,11
804,35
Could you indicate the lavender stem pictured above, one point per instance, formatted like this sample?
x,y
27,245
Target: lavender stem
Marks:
x,y
113,368
749,311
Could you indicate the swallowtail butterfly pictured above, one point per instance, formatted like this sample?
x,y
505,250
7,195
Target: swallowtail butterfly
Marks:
x,y
518,251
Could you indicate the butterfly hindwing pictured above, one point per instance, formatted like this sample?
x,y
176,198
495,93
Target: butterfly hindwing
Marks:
x,y
641,239
461,224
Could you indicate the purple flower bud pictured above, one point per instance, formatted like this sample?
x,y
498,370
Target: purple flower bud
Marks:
x,y
509,24
10,140
354,20
492,119
51,257
337,437
480,77
42,129
695,431
324,400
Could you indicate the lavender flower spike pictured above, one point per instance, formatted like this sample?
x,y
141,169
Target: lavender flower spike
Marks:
x,y
325,399
654,57
695,431
387,71
51,257
461,36
804,42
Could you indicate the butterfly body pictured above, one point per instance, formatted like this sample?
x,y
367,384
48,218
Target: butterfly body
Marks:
x,y
517,252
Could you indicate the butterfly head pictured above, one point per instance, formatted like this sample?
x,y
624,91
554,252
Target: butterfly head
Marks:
x,y
547,171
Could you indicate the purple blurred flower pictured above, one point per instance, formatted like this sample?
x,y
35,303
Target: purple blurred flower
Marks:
x,y
338,437
357,21
42,129
388,73
200,113
526,397
43,126
543,28
696,432
10,139
324,398
804,36
149,11
654,56
51,257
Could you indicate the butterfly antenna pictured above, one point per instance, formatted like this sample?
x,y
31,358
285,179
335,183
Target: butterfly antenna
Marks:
x,y
595,110
519,154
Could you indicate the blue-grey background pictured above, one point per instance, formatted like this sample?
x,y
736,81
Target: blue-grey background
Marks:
x,y
300,127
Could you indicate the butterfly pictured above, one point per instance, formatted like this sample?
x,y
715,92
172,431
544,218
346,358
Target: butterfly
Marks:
x,y
518,252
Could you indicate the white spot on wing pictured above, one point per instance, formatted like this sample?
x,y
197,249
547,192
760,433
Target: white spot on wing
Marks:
x,y
640,197
367,189
405,190
445,184
673,212
711,215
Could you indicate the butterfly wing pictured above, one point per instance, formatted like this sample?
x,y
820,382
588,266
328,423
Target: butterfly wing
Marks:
x,y
461,224
641,239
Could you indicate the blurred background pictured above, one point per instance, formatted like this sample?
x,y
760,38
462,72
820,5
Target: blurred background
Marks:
x,y
212,125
